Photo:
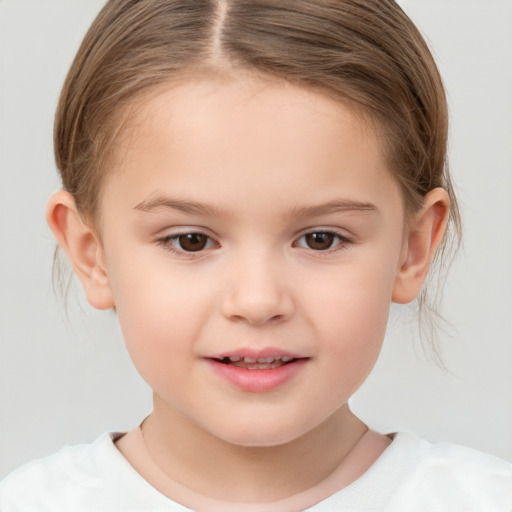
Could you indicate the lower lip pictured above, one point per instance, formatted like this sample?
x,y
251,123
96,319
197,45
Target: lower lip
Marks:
x,y
257,381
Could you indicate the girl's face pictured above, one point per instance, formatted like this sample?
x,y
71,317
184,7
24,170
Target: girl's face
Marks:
x,y
257,220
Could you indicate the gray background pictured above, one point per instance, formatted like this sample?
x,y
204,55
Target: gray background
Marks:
x,y
64,375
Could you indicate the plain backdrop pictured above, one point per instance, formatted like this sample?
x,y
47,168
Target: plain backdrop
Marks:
x,y
64,375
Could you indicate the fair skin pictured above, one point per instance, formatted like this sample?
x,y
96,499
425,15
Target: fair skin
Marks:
x,y
297,245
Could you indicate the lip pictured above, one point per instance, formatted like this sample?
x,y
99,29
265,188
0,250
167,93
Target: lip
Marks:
x,y
259,380
256,353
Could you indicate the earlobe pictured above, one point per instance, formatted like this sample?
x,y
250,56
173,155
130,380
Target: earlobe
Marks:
x,y
424,236
82,247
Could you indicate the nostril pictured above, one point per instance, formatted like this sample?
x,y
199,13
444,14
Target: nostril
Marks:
x,y
257,318
257,302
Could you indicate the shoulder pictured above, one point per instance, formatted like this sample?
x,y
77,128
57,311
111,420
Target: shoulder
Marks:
x,y
450,477
83,478
437,456
414,475
48,482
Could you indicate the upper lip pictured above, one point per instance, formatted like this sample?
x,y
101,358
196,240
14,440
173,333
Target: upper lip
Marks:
x,y
257,353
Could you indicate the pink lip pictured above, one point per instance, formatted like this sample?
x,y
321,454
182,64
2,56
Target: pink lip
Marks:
x,y
257,381
256,353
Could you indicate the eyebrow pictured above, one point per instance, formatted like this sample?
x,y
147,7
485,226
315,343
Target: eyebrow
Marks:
x,y
197,208
187,207
341,205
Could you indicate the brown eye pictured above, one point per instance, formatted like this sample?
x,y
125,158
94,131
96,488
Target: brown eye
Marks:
x,y
320,241
192,242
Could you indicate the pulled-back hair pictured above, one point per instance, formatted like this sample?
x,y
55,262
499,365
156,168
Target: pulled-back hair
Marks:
x,y
366,53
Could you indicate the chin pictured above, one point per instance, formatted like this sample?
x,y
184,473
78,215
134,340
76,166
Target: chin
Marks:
x,y
260,434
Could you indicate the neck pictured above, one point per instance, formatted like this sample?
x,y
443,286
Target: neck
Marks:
x,y
213,467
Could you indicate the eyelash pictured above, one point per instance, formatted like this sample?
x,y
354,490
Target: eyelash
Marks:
x,y
168,243
342,241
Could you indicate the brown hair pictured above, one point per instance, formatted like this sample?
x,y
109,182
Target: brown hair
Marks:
x,y
364,52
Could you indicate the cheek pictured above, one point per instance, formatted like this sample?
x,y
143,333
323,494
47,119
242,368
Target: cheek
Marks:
x,y
160,315
351,315
354,297
352,344
353,336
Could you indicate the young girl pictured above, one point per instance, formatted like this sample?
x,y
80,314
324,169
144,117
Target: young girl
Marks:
x,y
250,184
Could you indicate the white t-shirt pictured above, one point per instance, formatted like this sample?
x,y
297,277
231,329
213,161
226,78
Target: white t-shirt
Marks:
x,y
412,475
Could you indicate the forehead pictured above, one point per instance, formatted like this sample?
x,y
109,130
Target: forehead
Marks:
x,y
216,135
247,101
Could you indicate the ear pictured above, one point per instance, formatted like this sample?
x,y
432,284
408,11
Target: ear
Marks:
x,y
82,246
423,238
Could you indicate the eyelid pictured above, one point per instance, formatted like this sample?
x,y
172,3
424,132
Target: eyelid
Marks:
x,y
342,233
166,242
344,239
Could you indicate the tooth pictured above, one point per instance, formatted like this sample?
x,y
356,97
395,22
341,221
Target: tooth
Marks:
x,y
286,359
265,359
249,360
235,359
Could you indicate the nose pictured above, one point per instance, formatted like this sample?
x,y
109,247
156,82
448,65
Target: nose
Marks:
x,y
257,291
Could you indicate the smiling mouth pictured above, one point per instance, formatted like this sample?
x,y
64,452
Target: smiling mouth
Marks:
x,y
261,363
